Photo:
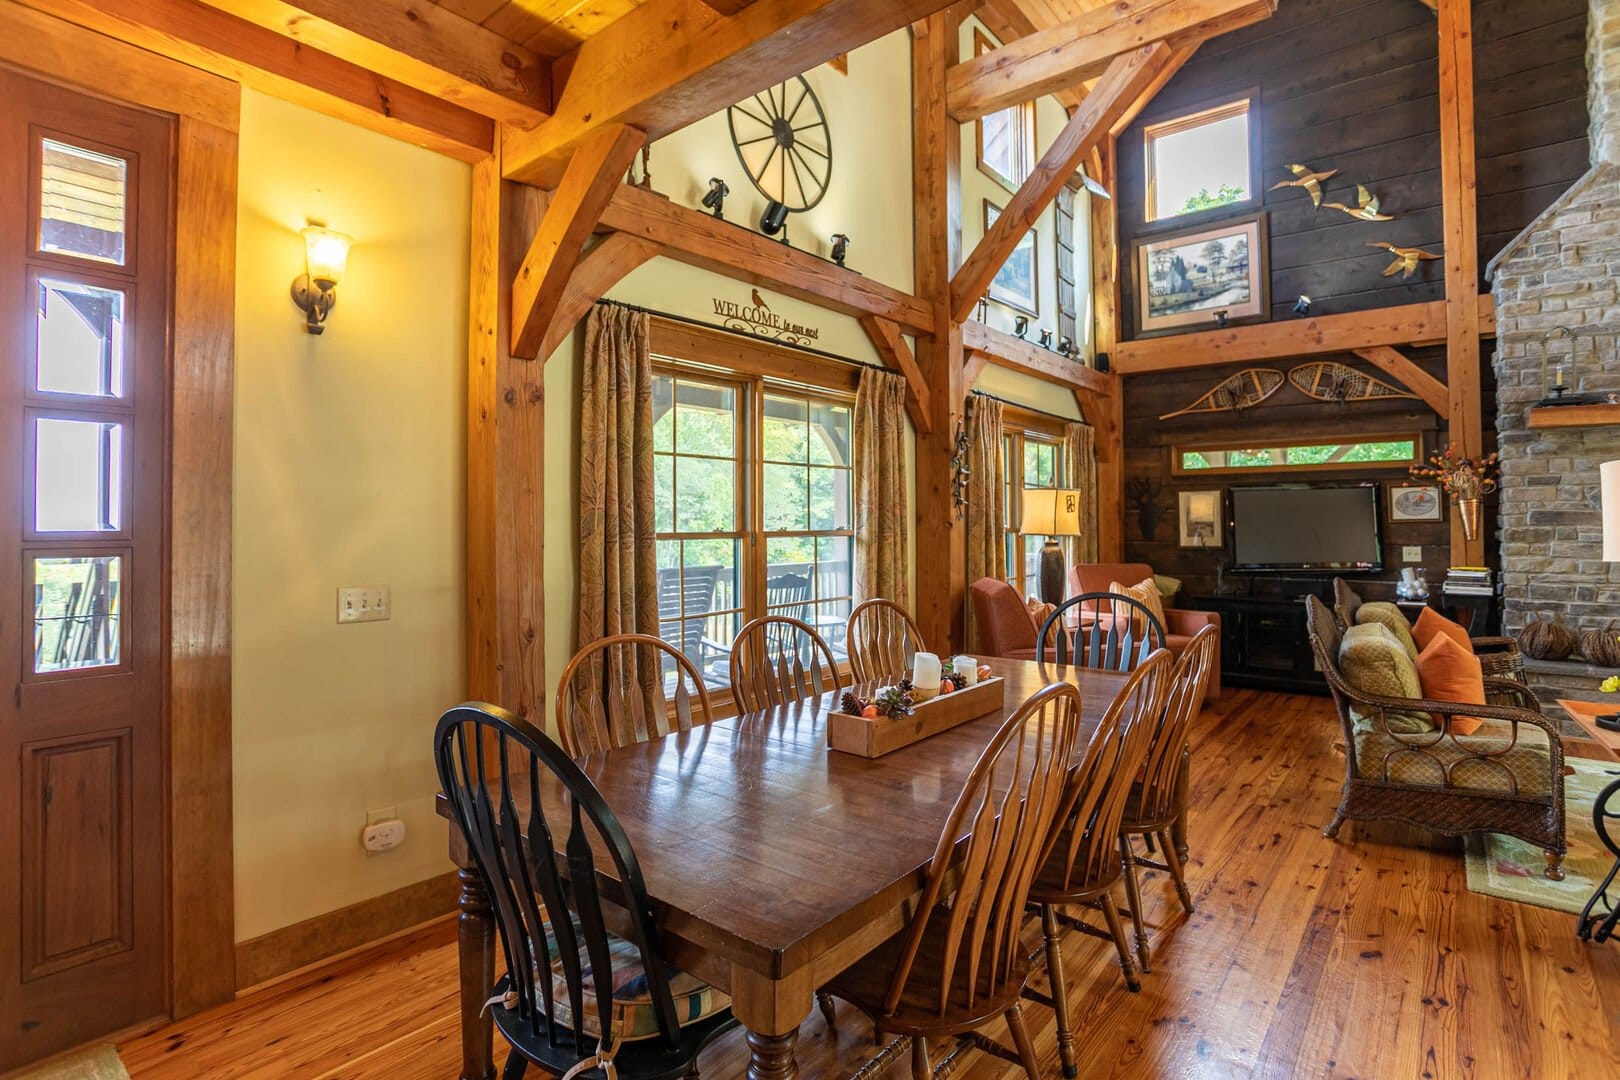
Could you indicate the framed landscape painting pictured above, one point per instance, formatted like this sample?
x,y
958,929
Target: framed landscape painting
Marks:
x,y
1016,284
1184,278
1415,502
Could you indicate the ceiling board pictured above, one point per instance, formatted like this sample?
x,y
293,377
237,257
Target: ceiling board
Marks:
x,y
548,27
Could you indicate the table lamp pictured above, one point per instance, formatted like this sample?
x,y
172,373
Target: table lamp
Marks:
x,y
1051,512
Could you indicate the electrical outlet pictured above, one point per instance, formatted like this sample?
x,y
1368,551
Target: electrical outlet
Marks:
x,y
363,603
382,836
1411,554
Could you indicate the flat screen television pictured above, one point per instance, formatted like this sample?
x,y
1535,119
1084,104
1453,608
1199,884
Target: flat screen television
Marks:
x,y
1306,527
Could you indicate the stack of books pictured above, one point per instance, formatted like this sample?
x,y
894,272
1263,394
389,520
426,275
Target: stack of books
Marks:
x,y
1469,581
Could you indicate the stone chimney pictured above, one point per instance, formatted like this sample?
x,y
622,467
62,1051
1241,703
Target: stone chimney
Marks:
x,y
1555,287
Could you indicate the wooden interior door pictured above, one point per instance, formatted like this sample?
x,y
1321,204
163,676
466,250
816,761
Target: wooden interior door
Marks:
x,y
84,310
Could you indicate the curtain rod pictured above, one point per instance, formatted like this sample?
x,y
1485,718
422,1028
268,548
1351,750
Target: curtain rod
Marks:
x,y
689,321
1030,408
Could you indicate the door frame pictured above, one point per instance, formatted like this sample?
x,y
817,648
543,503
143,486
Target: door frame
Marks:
x,y
200,883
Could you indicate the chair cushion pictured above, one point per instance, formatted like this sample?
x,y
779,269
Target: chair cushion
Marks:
x,y
1373,662
1391,617
633,1015
1430,623
1449,672
1146,592
1410,760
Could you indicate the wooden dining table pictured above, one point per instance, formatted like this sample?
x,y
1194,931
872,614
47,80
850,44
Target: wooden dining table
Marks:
x,y
773,862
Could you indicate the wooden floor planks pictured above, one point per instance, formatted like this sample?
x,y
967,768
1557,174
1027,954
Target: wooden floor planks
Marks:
x,y
1306,957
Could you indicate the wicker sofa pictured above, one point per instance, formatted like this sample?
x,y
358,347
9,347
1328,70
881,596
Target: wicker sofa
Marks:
x,y
1498,656
1507,777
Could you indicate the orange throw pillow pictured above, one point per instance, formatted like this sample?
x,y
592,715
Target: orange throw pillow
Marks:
x,y
1431,622
1146,592
1449,672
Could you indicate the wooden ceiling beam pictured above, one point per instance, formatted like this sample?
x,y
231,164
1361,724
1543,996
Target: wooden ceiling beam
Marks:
x,y
1392,361
418,43
1116,92
1015,354
571,217
695,238
207,38
897,356
1008,21
1061,56
601,268
669,63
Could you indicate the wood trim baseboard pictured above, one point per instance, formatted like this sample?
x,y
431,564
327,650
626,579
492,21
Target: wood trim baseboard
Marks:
x,y
274,954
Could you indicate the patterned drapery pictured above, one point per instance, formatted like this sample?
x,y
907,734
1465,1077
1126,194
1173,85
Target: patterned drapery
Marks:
x,y
986,524
1080,474
881,512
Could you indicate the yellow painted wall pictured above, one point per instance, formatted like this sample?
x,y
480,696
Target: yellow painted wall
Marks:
x,y
350,470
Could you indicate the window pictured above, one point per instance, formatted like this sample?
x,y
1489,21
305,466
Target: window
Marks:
x,y
1006,139
1032,461
1387,451
1201,161
754,508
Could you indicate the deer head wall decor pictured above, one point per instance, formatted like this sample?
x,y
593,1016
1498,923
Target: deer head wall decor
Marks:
x,y
1143,493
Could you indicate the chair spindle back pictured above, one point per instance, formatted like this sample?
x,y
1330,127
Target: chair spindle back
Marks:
x,y
615,692
1122,632
881,639
777,660
1189,681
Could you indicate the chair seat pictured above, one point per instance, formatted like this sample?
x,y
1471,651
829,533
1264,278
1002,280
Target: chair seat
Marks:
x,y
633,1015
866,984
1049,887
1410,759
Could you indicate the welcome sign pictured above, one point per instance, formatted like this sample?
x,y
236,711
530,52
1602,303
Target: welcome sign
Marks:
x,y
758,318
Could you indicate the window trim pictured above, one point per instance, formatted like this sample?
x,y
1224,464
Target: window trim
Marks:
x,y
1179,449
1195,115
982,43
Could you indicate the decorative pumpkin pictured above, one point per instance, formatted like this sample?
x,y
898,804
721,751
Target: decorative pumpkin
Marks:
x,y
1601,647
1547,639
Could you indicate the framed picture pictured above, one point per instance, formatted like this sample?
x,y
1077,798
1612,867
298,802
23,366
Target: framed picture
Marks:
x,y
1416,502
1200,519
1184,278
1017,284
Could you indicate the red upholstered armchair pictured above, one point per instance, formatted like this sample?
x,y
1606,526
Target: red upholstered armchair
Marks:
x,y
1180,624
1001,620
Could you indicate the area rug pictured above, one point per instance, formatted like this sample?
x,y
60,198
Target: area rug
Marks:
x,y
94,1063
1513,870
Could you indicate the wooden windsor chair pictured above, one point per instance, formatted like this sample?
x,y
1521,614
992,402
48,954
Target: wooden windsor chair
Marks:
x,y
881,639
625,689
1112,632
776,660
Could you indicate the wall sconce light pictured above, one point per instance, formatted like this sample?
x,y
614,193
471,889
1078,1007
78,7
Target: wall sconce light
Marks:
x,y
715,198
1302,306
840,248
326,253
1021,325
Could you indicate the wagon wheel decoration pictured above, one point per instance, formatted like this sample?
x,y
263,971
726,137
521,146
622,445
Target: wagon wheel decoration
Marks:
x,y
784,144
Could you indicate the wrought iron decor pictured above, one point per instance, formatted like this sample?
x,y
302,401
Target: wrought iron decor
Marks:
x,y
1602,911
784,143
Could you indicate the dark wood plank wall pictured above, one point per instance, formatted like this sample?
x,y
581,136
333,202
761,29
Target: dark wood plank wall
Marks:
x,y
1353,85
1286,415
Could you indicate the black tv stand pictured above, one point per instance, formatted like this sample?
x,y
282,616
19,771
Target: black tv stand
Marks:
x,y
1265,643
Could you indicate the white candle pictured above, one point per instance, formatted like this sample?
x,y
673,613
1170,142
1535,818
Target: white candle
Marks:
x,y
967,670
925,671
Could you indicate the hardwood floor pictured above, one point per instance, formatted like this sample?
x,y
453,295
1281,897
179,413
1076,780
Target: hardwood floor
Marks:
x,y
1306,958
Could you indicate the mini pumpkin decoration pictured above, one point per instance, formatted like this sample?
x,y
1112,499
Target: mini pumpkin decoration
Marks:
x,y
1601,647
1547,639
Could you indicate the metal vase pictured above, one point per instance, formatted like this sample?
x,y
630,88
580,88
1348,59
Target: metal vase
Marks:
x,y
1468,511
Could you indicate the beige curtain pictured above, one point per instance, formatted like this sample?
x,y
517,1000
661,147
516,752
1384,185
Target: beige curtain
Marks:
x,y
880,487
986,522
618,566
1080,473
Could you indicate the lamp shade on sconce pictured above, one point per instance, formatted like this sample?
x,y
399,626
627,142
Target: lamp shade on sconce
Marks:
x,y
326,255
1051,512
1609,478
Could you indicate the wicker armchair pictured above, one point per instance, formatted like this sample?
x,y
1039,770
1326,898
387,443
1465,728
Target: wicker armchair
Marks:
x,y
1499,657
1507,777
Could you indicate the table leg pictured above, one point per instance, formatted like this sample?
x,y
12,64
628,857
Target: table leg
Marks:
x,y
1178,828
770,1010
475,938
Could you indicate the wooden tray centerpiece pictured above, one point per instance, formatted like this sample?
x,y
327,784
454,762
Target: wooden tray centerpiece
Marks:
x,y
934,698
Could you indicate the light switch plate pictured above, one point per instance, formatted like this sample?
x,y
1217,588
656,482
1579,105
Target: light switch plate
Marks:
x,y
1410,554
362,603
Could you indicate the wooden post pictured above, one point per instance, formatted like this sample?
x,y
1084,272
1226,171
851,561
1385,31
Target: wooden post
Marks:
x,y
937,198
1107,416
1457,169
505,459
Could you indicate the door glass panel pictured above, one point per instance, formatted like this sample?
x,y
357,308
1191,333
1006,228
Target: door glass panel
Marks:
x,y
80,345
76,608
78,475
81,204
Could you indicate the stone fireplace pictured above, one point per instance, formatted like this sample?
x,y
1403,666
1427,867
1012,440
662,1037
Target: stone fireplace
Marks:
x,y
1560,274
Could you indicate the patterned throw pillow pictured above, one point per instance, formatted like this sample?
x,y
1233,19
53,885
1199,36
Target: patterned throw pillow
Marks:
x,y
1147,592
1374,662
1391,618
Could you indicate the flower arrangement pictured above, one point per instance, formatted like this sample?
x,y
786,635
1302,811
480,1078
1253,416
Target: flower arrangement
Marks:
x,y
1462,477
892,701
